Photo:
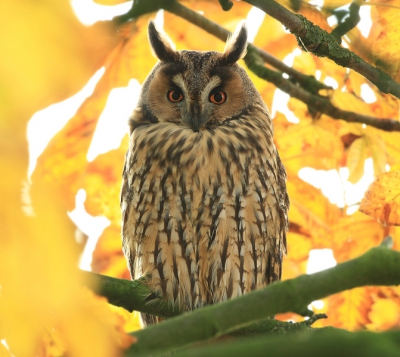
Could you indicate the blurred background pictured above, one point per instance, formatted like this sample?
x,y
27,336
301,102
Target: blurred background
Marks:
x,y
69,80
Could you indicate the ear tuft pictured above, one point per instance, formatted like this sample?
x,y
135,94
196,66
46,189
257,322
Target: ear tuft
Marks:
x,y
236,45
161,44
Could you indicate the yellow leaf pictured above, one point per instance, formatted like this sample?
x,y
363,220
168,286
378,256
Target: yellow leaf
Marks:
x,y
40,283
335,3
392,147
353,235
385,48
300,246
385,106
108,258
312,211
48,55
130,320
384,315
102,182
349,309
382,200
109,2
350,102
312,13
64,160
374,307
394,232
307,144
278,42
293,268
305,63
186,35
295,262
53,343
356,156
378,152
41,287
4,352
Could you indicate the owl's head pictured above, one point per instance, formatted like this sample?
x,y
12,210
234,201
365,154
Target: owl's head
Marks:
x,y
197,90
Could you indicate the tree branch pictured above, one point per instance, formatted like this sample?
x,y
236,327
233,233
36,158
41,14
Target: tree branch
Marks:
x,y
379,266
226,4
308,86
327,343
131,295
315,102
349,23
321,43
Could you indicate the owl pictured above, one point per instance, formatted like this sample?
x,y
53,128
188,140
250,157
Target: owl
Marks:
x,y
203,199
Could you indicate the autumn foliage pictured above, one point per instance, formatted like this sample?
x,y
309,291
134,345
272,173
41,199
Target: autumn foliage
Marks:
x,y
44,309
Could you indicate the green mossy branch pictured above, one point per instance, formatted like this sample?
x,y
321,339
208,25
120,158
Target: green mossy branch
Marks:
x,y
379,266
322,44
316,40
131,295
326,343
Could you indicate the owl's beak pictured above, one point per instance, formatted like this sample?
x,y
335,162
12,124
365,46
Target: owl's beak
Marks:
x,y
195,117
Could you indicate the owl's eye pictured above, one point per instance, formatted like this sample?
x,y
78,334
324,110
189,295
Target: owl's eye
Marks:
x,y
218,98
174,96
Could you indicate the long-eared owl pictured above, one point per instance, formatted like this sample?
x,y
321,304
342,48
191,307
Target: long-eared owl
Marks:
x,y
204,201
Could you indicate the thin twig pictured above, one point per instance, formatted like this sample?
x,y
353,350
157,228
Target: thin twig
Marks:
x,y
349,23
316,102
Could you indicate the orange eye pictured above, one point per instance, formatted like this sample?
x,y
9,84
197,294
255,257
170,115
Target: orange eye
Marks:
x,y
218,98
174,96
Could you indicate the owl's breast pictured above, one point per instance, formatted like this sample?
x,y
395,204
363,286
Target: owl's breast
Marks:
x,y
202,209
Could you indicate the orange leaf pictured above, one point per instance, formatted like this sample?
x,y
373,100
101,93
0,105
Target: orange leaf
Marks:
x,y
307,144
312,211
349,309
382,200
385,48
353,235
185,35
384,315
108,258
300,246
64,160
356,156
278,42
376,308
49,55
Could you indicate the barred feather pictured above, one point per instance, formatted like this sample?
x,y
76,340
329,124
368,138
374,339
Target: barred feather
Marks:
x,y
204,208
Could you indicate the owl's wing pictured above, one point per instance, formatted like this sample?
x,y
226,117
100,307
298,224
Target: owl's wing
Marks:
x,y
125,199
280,248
